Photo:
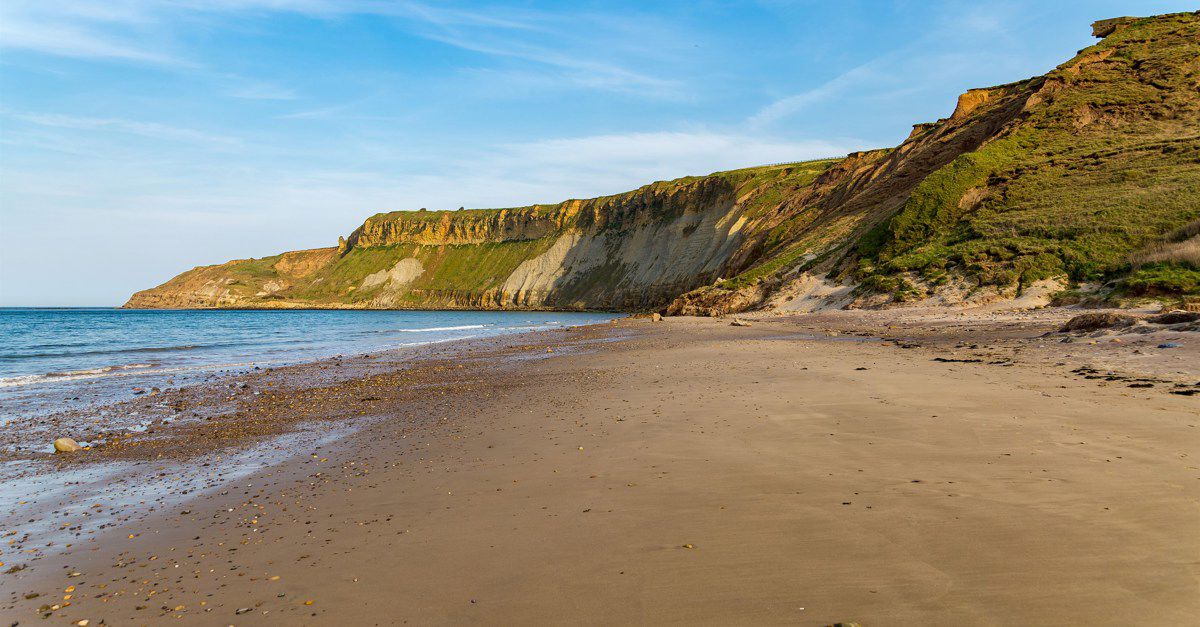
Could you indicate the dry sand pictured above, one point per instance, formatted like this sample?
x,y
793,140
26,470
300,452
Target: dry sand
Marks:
x,y
692,473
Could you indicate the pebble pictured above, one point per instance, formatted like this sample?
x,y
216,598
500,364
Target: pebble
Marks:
x,y
66,445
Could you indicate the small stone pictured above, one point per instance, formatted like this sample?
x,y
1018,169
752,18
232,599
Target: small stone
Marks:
x,y
66,445
738,322
243,610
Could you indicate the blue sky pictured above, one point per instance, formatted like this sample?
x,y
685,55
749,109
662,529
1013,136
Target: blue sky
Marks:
x,y
140,138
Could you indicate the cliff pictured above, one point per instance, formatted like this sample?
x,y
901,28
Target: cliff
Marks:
x,y
1071,176
635,250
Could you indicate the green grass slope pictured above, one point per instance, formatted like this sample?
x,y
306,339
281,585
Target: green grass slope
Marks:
x,y
1103,162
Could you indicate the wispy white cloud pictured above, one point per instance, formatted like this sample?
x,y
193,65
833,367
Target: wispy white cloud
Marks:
x,y
905,68
613,161
582,71
74,29
315,195
258,90
151,130
317,113
121,29
791,105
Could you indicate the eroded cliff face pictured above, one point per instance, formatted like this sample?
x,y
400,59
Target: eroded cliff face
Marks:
x,y
1061,176
636,250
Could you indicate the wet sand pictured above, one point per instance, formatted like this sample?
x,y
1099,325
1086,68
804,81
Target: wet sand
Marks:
x,y
692,472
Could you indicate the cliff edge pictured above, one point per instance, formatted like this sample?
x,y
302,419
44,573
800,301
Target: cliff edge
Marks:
x,y
1087,175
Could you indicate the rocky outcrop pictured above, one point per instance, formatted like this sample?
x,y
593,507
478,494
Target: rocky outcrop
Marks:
x,y
1104,28
440,228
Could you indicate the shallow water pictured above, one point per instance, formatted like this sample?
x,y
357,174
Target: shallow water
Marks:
x,y
38,497
54,359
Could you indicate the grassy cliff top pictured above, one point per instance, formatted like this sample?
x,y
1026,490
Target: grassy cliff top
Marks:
x,y
740,179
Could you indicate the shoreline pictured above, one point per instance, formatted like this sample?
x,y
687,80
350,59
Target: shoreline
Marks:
x,y
56,392
676,469
231,423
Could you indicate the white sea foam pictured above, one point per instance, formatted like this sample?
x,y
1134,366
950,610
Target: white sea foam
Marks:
x,y
124,370
458,328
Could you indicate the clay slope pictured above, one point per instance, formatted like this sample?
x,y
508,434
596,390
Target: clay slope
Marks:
x,y
1082,175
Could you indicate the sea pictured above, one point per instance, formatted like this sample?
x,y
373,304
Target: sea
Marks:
x,y
84,360
62,358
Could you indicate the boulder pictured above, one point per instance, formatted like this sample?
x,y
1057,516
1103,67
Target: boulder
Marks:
x,y
66,445
1175,317
1097,321
656,317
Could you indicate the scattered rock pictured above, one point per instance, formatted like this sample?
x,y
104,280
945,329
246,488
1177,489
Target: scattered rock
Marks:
x,y
66,445
243,610
1170,345
656,317
1097,321
738,322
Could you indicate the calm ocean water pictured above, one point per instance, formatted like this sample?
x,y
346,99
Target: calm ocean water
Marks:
x,y
54,355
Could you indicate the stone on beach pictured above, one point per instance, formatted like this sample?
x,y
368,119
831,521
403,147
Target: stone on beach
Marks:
x,y
738,322
1175,317
66,445
1097,321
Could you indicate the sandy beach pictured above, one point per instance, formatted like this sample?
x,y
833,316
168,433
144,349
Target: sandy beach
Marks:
x,y
845,467
395,312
